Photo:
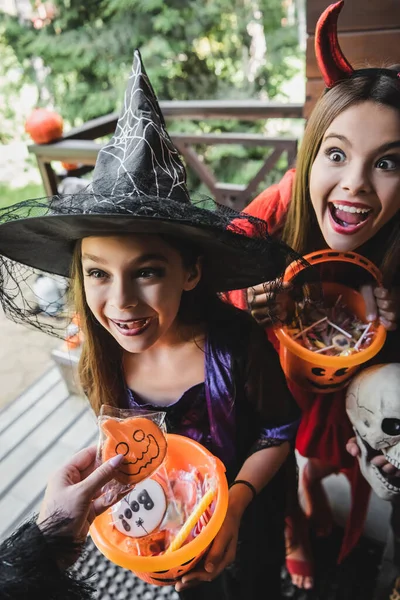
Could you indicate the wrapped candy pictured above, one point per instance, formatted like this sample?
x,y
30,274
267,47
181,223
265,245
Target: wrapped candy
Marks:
x,y
332,330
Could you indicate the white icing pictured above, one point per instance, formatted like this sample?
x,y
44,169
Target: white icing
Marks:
x,y
141,511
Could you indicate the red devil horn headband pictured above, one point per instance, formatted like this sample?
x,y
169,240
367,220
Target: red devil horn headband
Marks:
x,y
332,63
330,58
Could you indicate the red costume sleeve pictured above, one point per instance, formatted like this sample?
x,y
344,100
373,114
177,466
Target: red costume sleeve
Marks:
x,y
273,203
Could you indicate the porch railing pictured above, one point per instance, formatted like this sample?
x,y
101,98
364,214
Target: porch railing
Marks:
x,y
78,146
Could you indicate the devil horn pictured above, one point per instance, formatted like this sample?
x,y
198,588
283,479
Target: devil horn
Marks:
x,y
330,58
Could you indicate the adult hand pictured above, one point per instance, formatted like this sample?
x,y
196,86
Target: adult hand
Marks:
x,y
379,461
383,304
267,306
222,553
74,491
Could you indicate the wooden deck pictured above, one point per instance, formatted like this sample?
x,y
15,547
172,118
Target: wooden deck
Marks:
x,y
42,428
39,431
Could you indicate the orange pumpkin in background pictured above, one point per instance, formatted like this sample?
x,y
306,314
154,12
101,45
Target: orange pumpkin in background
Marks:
x,y
69,166
44,125
142,443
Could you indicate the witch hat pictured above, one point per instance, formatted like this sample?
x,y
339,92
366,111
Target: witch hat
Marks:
x,y
140,158
139,186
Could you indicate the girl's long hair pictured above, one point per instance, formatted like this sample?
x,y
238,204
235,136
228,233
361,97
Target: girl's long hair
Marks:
x,y
100,366
301,230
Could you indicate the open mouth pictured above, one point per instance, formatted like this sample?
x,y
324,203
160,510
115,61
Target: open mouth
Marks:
x,y
134,327
326,386
348,218
390,481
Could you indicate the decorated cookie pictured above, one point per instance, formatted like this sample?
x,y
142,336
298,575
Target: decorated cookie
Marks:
x,y
141,511
141,442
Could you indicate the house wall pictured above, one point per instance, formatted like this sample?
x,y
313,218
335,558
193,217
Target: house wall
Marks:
x,y
369,35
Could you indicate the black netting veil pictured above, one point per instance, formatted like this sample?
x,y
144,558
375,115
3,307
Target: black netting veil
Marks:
x,y
38,237
138,187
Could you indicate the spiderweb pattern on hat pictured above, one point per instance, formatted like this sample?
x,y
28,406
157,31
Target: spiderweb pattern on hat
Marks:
x,y
139,186
140,145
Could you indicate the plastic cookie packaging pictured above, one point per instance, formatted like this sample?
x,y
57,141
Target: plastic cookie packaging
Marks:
x,y
160,508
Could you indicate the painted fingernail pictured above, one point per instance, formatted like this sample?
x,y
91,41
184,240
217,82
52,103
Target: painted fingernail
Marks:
x,y
116,460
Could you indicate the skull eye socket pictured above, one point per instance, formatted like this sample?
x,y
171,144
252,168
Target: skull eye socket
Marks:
x,y
341,372
391,426
318,371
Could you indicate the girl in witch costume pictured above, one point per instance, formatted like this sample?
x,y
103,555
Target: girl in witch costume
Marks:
x,y
344,194
146,264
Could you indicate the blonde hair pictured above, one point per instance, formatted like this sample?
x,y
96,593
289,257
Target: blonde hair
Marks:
x,y
301,230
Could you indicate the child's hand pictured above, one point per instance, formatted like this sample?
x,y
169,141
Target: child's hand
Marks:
x,y
382,303
379,461
265,306
222,553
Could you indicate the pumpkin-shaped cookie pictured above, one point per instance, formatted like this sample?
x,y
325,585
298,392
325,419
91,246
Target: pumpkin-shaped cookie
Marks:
x,y
140,441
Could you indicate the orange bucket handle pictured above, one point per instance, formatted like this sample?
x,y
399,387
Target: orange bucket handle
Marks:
x,y
322,256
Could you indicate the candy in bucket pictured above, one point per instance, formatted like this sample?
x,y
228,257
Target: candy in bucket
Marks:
x,y
329,337
163,524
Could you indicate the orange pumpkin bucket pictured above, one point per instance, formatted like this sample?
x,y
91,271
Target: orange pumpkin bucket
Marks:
x,y
317,372
166,569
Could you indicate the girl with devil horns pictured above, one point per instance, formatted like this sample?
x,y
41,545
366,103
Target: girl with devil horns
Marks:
x,y
344,194
146,265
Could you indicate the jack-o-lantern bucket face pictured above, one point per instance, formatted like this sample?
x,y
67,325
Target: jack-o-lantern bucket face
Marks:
x,y
140,441
320,373
313,377
330,380
170,576
159,567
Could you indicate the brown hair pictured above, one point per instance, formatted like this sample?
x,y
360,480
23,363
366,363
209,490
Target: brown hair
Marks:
x,y
100,365
301,229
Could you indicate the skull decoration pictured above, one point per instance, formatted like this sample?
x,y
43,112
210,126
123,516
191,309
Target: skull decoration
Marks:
x,y
373,407
142,443
141,511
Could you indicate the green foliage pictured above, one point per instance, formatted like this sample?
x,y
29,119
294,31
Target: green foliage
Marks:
x,y
192,49
10,195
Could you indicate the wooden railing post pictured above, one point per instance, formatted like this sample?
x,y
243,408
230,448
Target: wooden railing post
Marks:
x,y
78,145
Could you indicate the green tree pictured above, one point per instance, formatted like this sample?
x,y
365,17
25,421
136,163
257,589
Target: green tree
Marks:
x,y
192,49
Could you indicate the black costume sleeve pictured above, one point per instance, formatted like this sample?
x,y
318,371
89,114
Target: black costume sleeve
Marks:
x,y
29,564
267,391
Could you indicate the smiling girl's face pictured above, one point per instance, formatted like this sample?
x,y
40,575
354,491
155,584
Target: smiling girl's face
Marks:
x,y
355,178
133,286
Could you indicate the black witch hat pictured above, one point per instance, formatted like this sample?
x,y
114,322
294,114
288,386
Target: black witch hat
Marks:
x,y
139,186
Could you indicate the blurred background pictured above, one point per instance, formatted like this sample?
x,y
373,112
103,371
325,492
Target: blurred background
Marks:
x,y
73,58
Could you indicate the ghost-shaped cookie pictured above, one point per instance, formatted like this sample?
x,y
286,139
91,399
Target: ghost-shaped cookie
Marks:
x,y
141,511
